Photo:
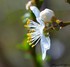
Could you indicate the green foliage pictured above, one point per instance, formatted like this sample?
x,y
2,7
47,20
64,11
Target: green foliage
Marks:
x,y
39,3
24,46
27,56
39,58
48,58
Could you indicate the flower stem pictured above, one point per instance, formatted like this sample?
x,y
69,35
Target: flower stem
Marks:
x,y
38,3
65,24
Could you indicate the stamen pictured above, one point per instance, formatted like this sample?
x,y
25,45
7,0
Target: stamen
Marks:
x,y
28,22
25,25
29,38
34,39
29,34
32,46
32,30
36,42
30,43
60,27
57,21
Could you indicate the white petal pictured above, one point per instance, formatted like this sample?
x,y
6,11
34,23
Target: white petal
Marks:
x,y
39,20
33,24
35,11
45,45
43,53
28,5
46,15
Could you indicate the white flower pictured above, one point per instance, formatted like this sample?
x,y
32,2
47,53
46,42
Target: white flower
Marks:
x,y
36,29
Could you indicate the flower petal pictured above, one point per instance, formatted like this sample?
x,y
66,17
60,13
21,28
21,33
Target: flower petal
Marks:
x,y
45,45
28,5
35,11
46,15
40,21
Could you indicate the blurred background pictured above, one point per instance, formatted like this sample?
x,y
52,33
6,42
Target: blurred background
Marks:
x,y
15,52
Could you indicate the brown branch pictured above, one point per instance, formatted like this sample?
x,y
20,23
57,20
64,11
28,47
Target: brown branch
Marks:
x,y
64,24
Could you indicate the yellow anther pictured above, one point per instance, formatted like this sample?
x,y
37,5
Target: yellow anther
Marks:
x,y
30,43
29,34
32,46
29,38
58,21
32,30
28,22
25,25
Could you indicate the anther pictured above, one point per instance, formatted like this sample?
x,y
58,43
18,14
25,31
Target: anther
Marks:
x,y
29,34
57,21
30,43
28,22
32,46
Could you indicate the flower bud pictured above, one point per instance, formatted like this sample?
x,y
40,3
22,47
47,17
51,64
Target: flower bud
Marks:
x,y
46,15
28,5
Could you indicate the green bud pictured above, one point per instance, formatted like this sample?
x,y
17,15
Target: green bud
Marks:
x,y
25,17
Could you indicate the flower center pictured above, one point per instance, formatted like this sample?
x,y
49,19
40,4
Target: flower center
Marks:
x,y
45,32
